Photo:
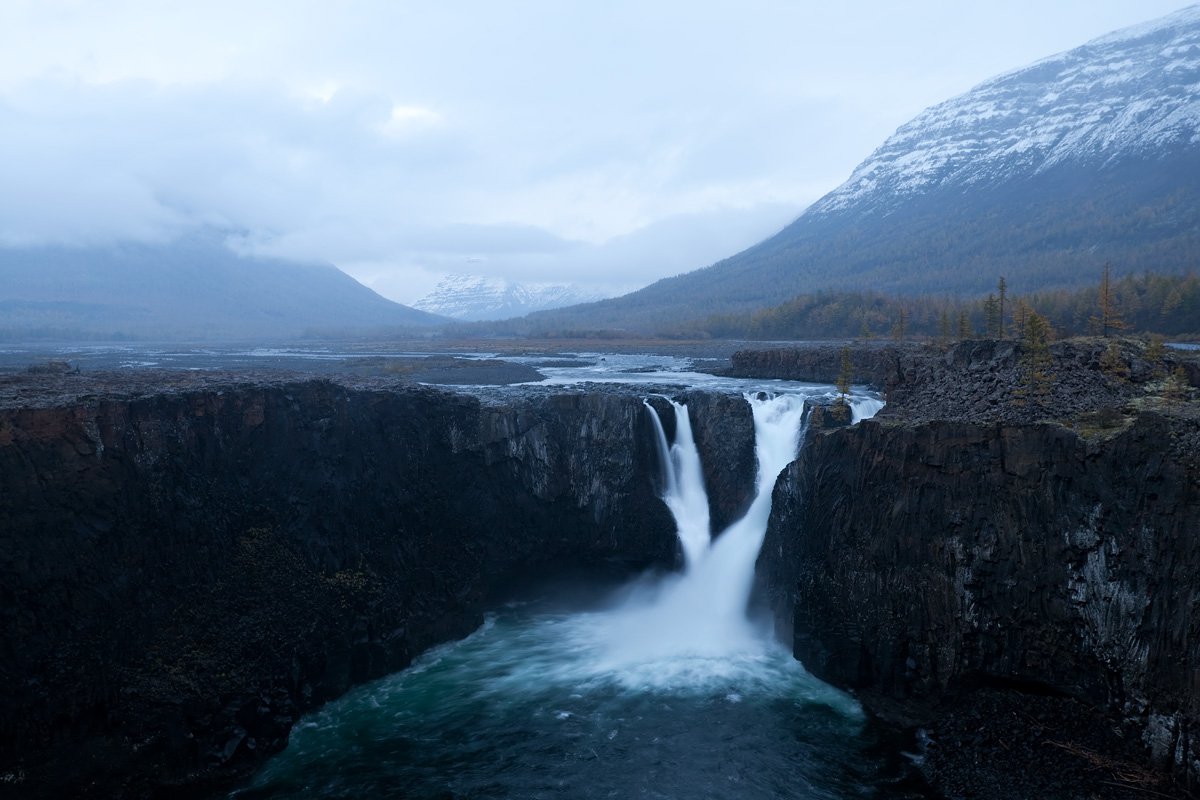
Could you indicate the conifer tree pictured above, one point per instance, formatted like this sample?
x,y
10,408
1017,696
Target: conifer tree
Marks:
x,y
843,378
1154,354
1112,362
991,316
840,410
964,326
1107,318
944,328
1002,288
899,327
1036,360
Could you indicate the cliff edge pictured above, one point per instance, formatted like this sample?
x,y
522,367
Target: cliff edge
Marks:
x,y
1017,578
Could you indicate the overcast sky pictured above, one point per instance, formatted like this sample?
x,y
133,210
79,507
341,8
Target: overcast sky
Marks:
x,y
605,142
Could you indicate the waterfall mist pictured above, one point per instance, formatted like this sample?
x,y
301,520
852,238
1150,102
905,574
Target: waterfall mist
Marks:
x,y
693,627
667,690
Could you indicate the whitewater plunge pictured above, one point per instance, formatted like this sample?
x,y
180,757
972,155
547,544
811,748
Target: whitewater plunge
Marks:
x,y
664,690
693,626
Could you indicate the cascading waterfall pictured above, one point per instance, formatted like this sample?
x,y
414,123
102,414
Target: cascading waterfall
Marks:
x,y
666,691
683,484
864,408
701,614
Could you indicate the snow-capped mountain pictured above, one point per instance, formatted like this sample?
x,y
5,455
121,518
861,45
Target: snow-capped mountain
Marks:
x,y
1041,175
476,298
1131,93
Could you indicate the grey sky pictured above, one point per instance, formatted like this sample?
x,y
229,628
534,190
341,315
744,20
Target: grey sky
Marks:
x,y
613,142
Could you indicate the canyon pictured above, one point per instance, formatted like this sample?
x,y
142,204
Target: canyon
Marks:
x,y
189,566
192,562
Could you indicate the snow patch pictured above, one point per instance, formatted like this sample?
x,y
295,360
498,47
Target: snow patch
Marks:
x,y
476,297
1125,94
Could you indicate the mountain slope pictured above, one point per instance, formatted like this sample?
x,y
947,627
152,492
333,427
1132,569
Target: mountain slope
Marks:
x,y
188,289
1040,175
475,298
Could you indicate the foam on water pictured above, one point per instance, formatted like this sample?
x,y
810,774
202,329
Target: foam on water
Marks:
x,y
695,623
667,689
683,484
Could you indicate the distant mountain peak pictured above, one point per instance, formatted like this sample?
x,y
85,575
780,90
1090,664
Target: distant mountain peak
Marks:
x,y
194,287
477,297
1041,174
1129,93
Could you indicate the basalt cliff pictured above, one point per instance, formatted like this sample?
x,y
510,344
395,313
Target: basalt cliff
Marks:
x,y
1017,575
191,562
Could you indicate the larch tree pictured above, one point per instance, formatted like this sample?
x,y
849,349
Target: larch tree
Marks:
x,y
964,326
1108,318
1002,288
1036,380
991,317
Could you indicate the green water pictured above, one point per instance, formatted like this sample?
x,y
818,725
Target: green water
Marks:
x,y
535,705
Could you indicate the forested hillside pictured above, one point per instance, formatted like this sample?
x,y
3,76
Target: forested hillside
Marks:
x,y
1146,303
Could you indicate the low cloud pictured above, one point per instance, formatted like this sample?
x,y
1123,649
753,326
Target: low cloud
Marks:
x,y
350,178
611,144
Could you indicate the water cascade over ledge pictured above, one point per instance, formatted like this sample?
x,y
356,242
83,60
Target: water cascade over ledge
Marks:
x,y
667,690
695,624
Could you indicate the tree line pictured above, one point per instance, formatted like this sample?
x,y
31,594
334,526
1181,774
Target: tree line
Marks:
x,y
1147,303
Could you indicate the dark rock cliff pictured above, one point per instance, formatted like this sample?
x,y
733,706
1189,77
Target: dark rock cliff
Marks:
x,y
981,380
186,571
911,561
186,568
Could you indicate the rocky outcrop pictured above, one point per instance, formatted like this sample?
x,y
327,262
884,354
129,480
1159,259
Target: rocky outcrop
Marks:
x,y
985,380
912,561
877,365
184,571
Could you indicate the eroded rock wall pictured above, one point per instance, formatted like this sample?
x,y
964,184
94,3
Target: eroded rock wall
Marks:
x,y
911,559
185,573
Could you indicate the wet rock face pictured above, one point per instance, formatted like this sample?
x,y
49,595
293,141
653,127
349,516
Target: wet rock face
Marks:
x,y
724,429
723,426
981,381
913,560
879,365
184,574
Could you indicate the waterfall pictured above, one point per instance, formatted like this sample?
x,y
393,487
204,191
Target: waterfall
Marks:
x,y
683,484
729,567
863,408
695,623
777,427
666,689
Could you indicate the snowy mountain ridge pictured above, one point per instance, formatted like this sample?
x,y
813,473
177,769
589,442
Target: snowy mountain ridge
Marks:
x,y
477,297
1042,175
1133,93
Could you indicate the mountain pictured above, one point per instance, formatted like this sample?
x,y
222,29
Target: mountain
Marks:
x,y
476,298
192,288
1041,175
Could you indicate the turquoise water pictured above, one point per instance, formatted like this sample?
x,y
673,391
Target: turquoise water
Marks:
x,y
534,705
665,689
